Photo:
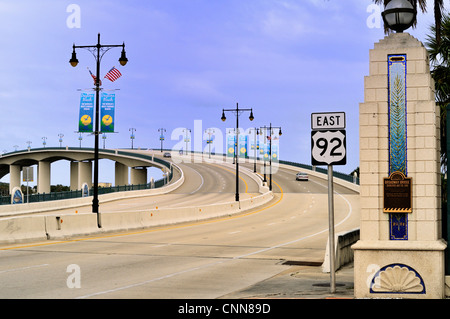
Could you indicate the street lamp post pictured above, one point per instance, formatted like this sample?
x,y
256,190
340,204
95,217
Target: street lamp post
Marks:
x,y
261,129
186,139
237,111
132,130
161,137
269,128
80,138
60,135
270,153
209,140
255,147
104,140
97,51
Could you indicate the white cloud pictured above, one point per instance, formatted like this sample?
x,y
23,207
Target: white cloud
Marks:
x,y
286,21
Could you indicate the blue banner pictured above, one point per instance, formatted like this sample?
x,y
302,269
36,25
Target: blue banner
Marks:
x,y
243,146
107,108
231,141
86,123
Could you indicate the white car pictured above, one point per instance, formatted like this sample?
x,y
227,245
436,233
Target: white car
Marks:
x,y
301,176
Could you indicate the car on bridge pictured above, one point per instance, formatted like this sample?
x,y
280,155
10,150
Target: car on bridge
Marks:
x,y
301,176
167,154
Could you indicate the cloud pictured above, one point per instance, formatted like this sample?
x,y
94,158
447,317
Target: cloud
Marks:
x,y
286,21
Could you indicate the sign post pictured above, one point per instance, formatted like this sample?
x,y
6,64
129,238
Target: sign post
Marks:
x,y
328,147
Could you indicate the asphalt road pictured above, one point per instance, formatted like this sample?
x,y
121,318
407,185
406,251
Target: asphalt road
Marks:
x,y
208,259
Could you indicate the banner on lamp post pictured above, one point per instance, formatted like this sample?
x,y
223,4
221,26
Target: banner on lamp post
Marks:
x,y
85,121
107,110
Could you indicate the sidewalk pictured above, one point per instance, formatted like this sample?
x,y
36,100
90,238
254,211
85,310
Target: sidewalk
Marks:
x,y
300,282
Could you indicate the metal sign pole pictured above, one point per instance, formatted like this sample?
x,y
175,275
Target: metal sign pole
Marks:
x,y
331,229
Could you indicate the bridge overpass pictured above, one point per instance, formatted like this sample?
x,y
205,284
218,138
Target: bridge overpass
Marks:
x,y
80,165
193,241
178,199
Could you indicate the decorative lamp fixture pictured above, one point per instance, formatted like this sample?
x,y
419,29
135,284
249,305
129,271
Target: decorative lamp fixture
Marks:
x,y
123,58
399,15
73,61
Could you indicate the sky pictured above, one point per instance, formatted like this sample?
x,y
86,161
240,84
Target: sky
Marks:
x,y
188,59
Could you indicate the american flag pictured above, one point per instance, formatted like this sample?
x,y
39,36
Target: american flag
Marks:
x,y
113,74
94,77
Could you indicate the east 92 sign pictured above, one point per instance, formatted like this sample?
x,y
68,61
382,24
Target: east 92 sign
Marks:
x,y
328,147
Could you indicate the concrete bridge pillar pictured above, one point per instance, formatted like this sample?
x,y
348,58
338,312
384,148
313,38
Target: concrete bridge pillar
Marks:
x,y
74,176
14,177
121,174
84,174
138,175
43,177
80,173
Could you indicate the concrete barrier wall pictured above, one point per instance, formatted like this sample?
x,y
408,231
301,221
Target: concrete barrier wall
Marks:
x,y
339,181
15,229
41,207
28,228
343,251
59,227
22,229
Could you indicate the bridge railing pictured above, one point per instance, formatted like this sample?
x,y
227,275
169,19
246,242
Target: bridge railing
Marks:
x,y
44,197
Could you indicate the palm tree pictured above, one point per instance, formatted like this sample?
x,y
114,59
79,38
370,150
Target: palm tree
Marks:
x,y
422,5
439,52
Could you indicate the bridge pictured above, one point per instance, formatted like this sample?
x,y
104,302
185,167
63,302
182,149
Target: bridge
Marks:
x,y
80,166
169,237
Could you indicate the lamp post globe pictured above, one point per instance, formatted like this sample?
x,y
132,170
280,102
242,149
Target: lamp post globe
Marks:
x,y
399,15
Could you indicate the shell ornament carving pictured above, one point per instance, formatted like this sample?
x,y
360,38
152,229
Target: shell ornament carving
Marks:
x,y
397,279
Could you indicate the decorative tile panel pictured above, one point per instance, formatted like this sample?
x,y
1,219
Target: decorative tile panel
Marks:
x,y
397,135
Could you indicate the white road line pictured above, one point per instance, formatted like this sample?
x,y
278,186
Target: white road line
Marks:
x,y
23,268
200,184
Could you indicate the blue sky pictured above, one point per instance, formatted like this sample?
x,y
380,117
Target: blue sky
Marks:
x,y
188,59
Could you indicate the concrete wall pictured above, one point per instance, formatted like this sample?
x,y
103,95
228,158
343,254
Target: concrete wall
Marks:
x,y
343,251
28,228
51,226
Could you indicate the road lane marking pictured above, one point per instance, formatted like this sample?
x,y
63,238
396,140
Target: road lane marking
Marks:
x,y
219,262
150,230
245,182
201,182
23,268
189,225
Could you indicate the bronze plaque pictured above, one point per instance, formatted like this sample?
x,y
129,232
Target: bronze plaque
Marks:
x,y
397,194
